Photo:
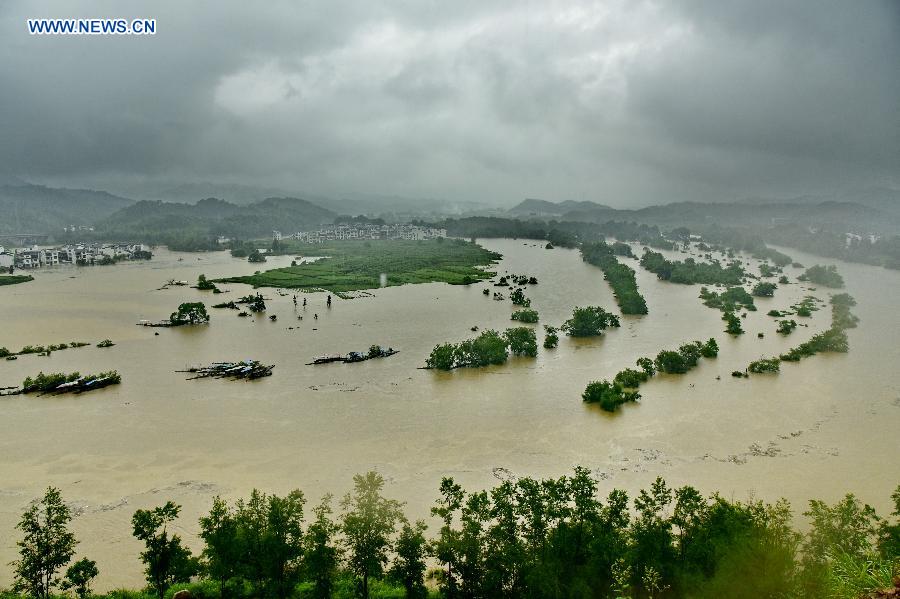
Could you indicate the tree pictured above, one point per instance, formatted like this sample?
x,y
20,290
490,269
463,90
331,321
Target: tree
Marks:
x,y
525,315
609,395
733,323
221,556
255,256
321,554
589,322
189,313
368,523
522,341
283,542
166,560
79,577
646,364
764,289
551,338
409,564
442,357
47,546
671,362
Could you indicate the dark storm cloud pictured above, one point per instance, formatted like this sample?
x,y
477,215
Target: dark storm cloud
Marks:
x,y
621,102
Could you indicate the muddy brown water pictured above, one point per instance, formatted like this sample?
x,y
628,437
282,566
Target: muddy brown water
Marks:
x,y
821,427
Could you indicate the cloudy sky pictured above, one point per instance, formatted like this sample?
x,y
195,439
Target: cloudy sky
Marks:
x,y
622,102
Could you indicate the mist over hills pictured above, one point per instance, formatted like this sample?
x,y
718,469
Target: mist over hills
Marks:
x,y
27,208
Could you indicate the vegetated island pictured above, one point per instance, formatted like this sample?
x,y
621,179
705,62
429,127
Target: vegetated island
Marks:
x,y
14,279
832,340
353,266
620,277
59,383
689,271
623,388
489,348
827,276
41,350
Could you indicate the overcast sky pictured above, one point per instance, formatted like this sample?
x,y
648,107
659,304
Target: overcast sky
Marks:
x,y
621,102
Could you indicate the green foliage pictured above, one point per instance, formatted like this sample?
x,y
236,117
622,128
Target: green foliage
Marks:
x,y
204,285
518,298
166,560
827,276
764,289
368,523
710,349
489,348
409,564
609,395
14,279
522,341
322,554
765,365
690,271
589,321
786,327
46,547
45,383
732,323
733,298
189,313
631,378
556,537
841,317
443,357
647,365
256,257
551,337
526,315
352,266
620,277
671,362
79,577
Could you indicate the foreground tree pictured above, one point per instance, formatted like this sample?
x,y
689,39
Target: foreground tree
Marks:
x,y
47,546
79,577
321,554
166,560
368,523
409,564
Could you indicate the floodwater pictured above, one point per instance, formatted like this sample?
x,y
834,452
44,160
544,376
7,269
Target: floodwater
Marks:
x,y
822,427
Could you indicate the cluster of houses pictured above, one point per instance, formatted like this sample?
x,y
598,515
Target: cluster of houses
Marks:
x,y
364,231
79,254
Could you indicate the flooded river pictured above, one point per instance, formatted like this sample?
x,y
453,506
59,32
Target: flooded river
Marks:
x,y
821,427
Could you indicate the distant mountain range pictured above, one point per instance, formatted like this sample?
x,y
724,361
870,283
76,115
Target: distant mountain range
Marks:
x,y
877,210
27,208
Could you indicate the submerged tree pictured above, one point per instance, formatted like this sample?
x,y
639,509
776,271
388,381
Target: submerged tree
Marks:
x,y
589,321
190,313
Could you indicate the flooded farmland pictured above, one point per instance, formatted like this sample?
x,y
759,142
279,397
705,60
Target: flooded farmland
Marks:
x,y
821,427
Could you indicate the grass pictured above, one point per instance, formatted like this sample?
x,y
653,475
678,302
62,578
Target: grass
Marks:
x,y
13,279
357,265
